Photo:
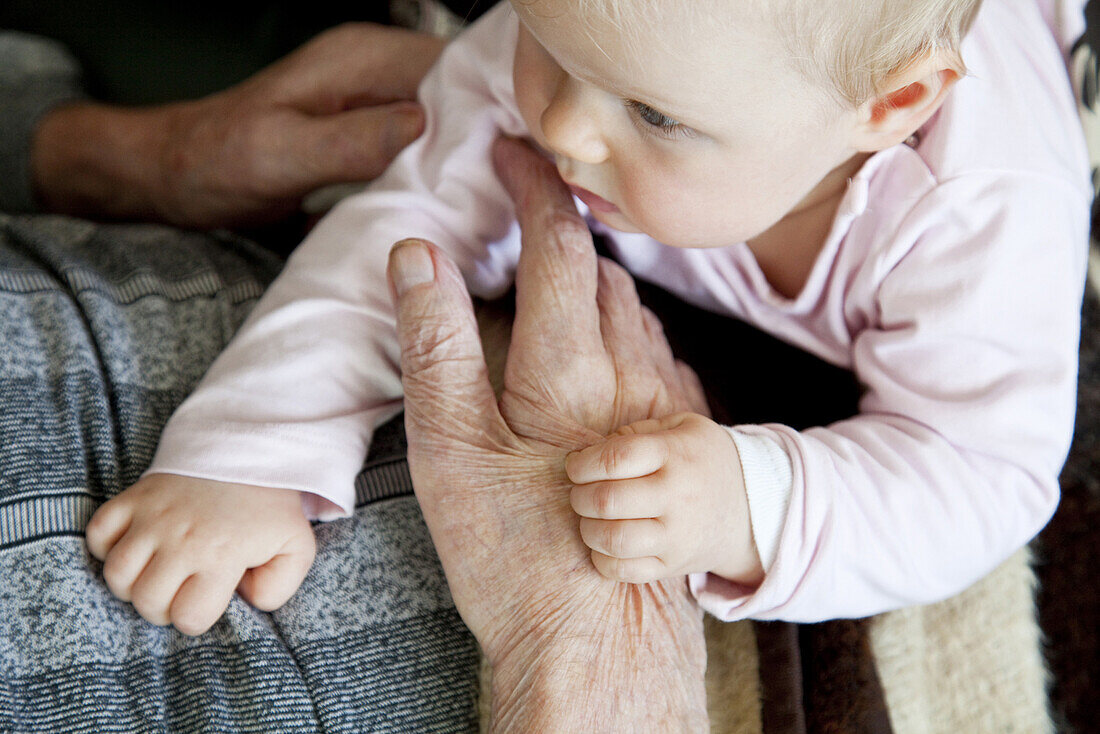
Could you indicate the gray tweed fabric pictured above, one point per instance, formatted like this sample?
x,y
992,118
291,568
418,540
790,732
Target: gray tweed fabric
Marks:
x,y
103,330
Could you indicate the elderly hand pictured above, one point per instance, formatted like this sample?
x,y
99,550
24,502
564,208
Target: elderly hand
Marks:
x,y
331,112
570,650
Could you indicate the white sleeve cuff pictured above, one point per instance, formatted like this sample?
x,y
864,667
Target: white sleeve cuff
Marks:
x,y
769,481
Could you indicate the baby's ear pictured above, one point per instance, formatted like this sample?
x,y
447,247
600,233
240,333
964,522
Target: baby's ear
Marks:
x,y
913,95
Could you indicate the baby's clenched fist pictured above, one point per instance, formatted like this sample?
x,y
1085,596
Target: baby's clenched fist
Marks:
x,y
178,547
665,497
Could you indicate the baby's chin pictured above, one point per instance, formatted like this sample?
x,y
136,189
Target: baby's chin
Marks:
x,y
620,223
683,240
616,221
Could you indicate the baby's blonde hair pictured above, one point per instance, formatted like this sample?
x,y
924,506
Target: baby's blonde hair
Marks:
x,y
854,47
850,47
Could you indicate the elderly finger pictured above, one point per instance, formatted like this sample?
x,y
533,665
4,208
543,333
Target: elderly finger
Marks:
x,y
622,319
627,341
352,64
356,145
692,389
556,275
684,390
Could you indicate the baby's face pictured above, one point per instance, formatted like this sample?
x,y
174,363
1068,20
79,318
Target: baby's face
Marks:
x,y
696,133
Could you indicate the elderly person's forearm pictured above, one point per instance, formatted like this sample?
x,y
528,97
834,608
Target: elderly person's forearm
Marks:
x,y
96,160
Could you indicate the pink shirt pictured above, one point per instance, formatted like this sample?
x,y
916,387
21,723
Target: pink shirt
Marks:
x,y
950,284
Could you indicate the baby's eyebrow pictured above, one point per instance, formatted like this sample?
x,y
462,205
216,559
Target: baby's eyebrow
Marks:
x,y
626,89
629,91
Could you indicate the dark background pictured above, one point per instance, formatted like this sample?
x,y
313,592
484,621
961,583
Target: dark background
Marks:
x,y
142,52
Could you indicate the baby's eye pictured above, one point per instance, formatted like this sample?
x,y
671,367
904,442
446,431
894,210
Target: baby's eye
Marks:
x,y
658,121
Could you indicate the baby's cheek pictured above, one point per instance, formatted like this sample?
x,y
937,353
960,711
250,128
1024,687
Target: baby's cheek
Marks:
x,y
534,78
697,216
664,207
529,110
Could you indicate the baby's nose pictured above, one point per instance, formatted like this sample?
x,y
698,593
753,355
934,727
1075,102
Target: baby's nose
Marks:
x,y
571,127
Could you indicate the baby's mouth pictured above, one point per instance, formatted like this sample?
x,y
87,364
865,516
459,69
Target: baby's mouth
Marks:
x,y
593,201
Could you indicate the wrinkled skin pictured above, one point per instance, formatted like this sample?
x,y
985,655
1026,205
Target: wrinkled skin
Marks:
x,y
570,650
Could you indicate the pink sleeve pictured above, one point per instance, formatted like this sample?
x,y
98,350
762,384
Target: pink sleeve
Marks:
x,y
294,399
969,370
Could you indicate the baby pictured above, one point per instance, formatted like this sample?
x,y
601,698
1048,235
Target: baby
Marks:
x,y
827,170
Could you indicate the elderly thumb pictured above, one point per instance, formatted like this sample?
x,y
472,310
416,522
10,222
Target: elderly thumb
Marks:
x,y
441,359
410,265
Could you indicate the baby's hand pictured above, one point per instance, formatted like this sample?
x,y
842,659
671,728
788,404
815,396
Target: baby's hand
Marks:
x,y
177,547
665,497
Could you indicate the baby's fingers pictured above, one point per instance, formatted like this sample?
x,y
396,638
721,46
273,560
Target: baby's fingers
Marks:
x,y
620,500
109,523
269,586
155,588
125,561
201,600
619,457
630,570
624,538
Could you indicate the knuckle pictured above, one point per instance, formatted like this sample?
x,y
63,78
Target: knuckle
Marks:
x,y
618,539
265,598
568,224
150,610
432,341
579,499
276,587
349,28
95,528
568,231
618,288
119,569
619,569
95,535
604,499
616,455
344,33
628,571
